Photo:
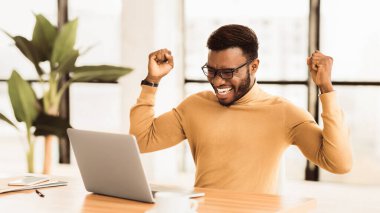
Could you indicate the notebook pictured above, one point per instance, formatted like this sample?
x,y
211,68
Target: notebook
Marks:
x,y
4,187
110,164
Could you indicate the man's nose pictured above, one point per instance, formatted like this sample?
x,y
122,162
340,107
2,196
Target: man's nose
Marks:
x,y
218,80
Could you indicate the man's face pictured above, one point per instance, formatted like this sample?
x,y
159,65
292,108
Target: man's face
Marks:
x,y
230,90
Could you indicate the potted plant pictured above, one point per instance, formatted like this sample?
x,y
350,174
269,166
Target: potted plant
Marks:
x,y
41,115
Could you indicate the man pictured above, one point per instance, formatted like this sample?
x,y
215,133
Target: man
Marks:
x,y
238,134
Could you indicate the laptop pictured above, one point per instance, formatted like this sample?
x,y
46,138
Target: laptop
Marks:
x,y
110,165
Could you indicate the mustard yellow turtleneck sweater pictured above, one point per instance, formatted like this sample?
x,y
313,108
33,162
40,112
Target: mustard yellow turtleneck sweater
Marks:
x,y
239,147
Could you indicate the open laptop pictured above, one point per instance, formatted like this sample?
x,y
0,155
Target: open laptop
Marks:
x,y
110,164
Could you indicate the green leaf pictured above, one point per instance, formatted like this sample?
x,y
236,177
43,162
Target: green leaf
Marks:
x,y
6,33
44,35
101,73
29,50
68,63
50,125
64,43
23,99
2,117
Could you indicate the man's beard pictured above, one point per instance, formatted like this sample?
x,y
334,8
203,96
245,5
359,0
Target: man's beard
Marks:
x,y
242,90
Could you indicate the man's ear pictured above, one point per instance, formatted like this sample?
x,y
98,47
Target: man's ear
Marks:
x,y
255,65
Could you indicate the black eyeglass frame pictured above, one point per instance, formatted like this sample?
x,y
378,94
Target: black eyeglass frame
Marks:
x,y
223,73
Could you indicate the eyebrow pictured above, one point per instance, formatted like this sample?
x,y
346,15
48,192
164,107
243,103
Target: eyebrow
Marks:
x,y
226,69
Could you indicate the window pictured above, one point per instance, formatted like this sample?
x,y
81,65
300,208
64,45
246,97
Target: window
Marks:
x,y
99,28
282,34
353,39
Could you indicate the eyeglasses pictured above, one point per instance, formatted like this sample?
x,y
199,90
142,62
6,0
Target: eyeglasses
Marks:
x,y
223,73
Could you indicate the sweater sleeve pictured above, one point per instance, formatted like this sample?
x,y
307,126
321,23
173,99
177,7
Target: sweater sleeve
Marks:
x,y
154,133
328,148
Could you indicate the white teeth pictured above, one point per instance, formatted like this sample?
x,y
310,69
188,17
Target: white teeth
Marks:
x,y
224,91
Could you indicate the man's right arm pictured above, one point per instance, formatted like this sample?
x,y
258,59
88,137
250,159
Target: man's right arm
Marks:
x,y
166,130
154,133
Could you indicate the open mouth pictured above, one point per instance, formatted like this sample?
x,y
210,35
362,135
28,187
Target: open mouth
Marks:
x,y
224,91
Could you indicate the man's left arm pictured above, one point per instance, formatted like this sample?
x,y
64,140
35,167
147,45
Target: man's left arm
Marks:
x,y
329,148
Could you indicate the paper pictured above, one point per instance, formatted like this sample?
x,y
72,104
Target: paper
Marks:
x,y
5,188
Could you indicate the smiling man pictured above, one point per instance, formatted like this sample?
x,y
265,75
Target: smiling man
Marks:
x,y
238,133
230,84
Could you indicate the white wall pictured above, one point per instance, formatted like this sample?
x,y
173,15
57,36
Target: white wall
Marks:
x,y
147,26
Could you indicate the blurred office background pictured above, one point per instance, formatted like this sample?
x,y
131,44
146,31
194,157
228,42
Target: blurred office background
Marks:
x,y
124,32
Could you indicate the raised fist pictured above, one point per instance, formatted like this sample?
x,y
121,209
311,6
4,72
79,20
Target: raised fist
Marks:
x,y
160,63
320,67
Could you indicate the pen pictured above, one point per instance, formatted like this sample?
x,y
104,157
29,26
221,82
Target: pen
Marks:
x,y
39,193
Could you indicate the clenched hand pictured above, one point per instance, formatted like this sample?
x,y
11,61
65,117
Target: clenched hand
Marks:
x,y
160,63
320,67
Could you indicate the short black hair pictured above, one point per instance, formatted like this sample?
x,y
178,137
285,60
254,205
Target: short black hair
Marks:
x,y
234,35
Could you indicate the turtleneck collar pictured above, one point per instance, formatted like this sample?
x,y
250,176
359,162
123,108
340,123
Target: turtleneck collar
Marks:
x,y
253,95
